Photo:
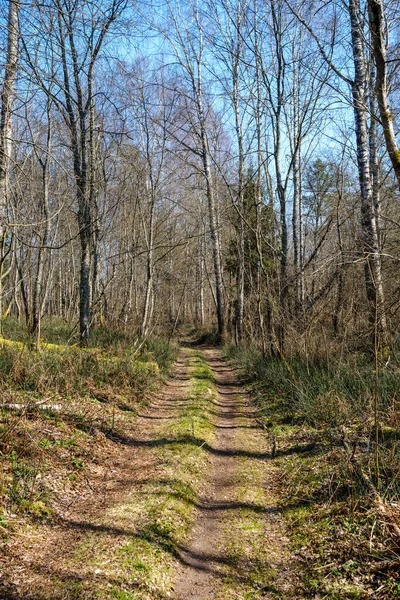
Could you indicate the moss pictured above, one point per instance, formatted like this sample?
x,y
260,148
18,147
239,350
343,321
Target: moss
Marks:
x,y
397,157
36,508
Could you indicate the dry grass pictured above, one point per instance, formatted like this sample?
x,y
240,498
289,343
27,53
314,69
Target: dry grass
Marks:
x,y
60,410
321,441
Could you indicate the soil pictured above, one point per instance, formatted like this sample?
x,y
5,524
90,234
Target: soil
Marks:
x,y
40,555
203,558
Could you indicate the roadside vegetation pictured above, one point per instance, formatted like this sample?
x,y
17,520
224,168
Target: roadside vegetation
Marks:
x,y
61,408
339,456
52,456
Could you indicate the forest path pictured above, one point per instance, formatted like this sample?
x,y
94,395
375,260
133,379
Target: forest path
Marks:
x,y
238,548
186,507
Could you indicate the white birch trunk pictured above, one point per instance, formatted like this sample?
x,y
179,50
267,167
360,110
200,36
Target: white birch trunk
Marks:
x,y
373,272
7,102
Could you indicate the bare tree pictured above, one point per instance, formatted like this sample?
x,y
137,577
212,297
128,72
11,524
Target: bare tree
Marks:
x,y
78,46
7,101
185,36
359,93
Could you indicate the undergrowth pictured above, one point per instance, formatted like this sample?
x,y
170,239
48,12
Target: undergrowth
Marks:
x,y
318,416
58,332
60,405
324,393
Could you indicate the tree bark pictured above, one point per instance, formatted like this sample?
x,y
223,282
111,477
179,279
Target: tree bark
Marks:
x,y
377,28
369,235
7,102
148,301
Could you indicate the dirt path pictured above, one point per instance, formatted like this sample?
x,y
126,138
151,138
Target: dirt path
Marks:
x,y
203,558
188,510
209,560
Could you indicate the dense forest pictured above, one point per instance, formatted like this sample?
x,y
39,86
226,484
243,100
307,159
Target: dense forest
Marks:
x,y
225,171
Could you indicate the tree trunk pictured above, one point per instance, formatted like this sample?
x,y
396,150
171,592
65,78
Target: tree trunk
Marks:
x,y
236,59
378,35
219,290
369,236
201,280
39,288
7,102
336,318
373,153
84,218
148,301
281,189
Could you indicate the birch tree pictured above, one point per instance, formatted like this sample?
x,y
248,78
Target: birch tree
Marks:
x,y
7,102
230,20
359,97
377,25
373,272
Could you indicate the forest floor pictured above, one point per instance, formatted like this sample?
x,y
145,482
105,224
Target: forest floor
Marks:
x,y
185,504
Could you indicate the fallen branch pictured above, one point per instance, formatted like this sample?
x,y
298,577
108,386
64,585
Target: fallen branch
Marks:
x,y
30,407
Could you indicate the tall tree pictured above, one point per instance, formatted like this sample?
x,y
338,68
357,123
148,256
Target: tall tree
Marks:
x,y
185,35
7,102
359,88
377,25
77,32
359,96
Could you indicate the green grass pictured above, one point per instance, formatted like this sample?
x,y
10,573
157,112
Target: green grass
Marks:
x,y
330,397
66,370
121,595
163,351
73,370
